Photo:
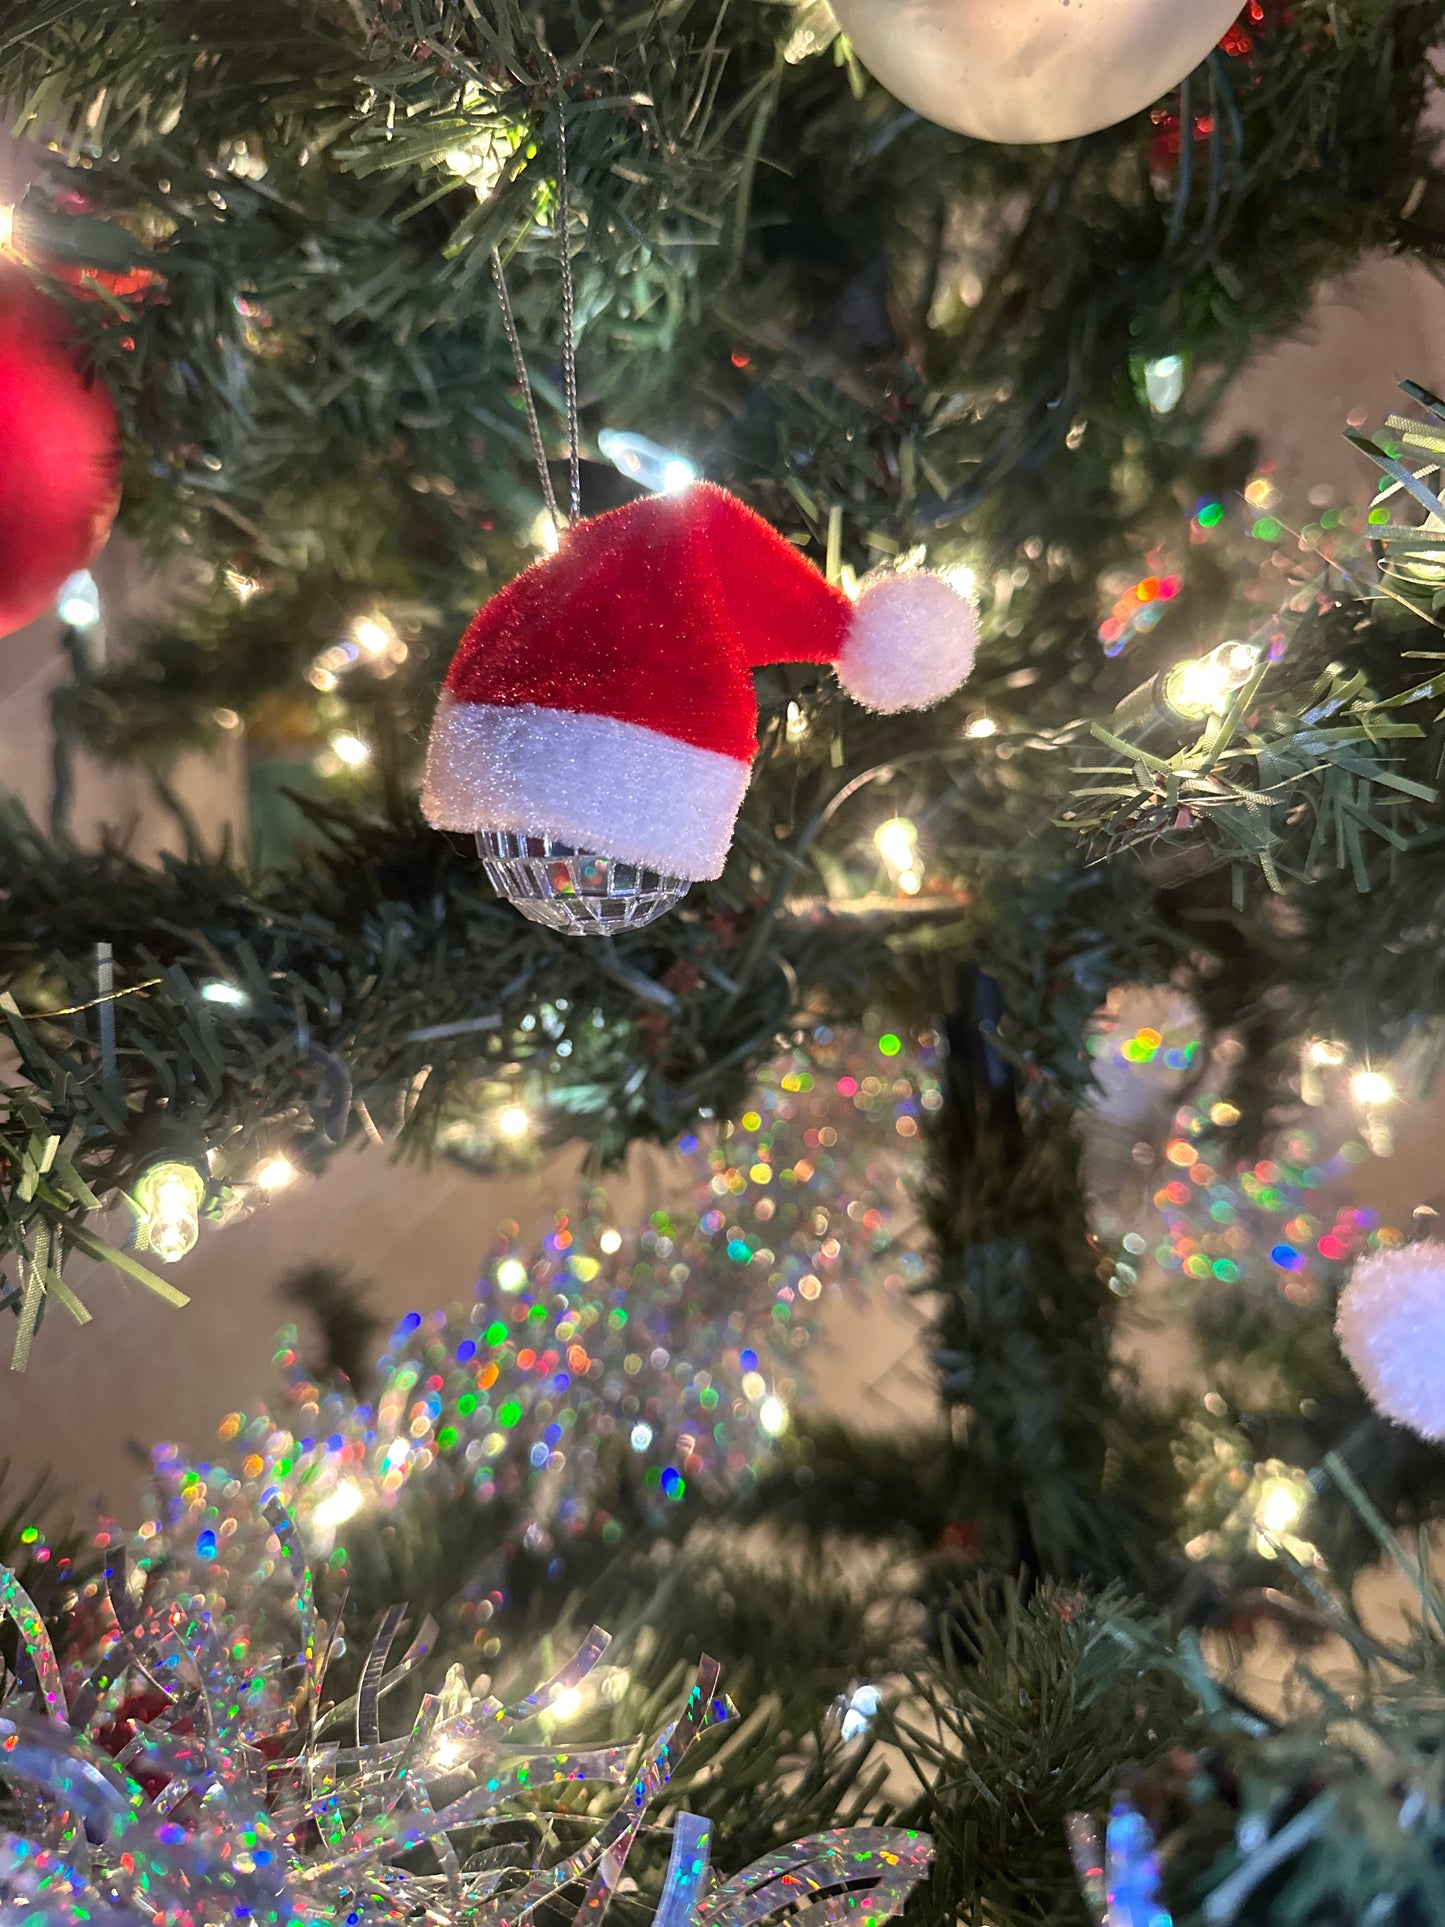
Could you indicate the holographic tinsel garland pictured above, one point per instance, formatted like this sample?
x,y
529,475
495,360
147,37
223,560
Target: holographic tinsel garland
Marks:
x,y
240,1792
672,1349
1253,1222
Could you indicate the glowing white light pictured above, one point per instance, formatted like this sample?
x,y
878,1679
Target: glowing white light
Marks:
x,y
962,578
171,1196
982,726
1164,383
513,1121
610,1241
374,634
7,227
797,723
1372,1087
643,462
217,992
641,1436
1280,1505
897,843
78,604
544,534
276,1173
242,587
754,1385
1199,686
1325,1054
1194,688
511,1274
481,162
343,1502
171,1240
1237,662
350,749
773,1416
567,1705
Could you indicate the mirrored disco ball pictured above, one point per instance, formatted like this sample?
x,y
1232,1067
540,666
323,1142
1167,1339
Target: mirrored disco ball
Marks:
x,y
574,890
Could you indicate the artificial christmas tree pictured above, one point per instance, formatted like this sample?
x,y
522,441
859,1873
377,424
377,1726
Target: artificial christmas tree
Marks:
x,y
902,348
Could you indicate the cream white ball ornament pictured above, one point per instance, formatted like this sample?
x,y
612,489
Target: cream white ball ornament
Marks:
x,y
1391,1328
1031,70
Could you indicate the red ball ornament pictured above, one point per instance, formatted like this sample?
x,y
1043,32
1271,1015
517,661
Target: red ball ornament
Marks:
x,y
59,453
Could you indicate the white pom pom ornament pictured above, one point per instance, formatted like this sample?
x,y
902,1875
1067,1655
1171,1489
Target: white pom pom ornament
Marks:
x,y
1391,1327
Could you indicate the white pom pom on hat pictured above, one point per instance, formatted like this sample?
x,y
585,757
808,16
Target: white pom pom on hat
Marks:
x,y
1391,1328
911,642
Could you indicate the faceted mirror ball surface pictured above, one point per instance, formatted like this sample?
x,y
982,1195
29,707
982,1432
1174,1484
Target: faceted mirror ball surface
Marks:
x,y
1031,70
576,891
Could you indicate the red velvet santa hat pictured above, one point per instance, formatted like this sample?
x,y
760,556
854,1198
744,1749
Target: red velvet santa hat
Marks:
x,y
605,696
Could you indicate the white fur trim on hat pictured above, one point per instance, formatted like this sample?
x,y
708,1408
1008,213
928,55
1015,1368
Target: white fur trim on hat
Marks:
x,y
911,643
606,786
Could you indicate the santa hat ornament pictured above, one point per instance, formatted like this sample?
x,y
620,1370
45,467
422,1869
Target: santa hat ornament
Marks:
x,y
597,728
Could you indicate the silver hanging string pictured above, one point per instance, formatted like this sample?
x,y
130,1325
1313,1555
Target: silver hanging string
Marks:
x,y
539,453
569,342
569,325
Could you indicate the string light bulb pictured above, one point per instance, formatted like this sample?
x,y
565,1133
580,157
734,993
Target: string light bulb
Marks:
x,y
78,604
349,749
1201,686
1325,1054
643,462
374,635
544,534
7,228
170,1196
610,1241
482,161
1164,382
1318,1055
219,992
773,1416
1280,1506
513,1121
979,727
276,1173
896,841
1277,1501
343,1502
511,1275
1372,1088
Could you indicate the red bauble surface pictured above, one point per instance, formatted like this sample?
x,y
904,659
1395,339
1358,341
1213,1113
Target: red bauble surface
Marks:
x,y
59,453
